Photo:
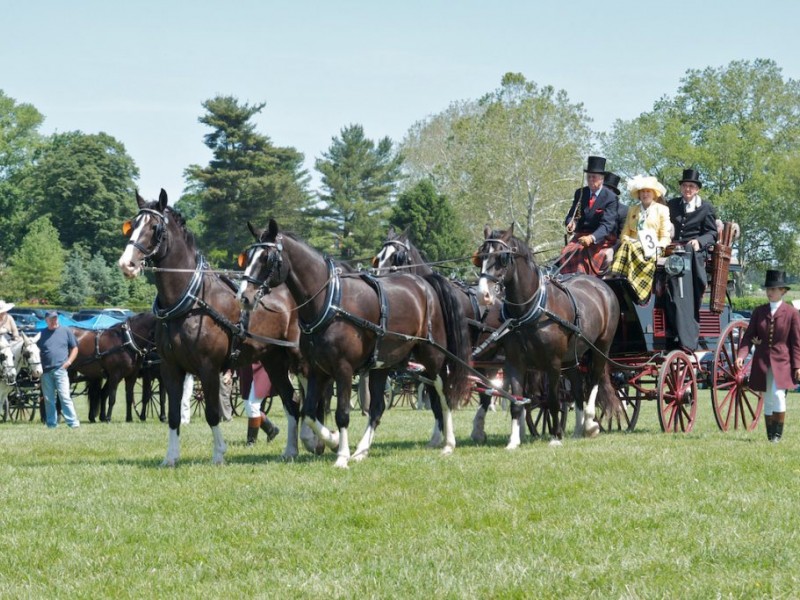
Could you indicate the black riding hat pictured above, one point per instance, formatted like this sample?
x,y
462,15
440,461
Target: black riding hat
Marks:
x,y
776,279
611,181
691,176
595,164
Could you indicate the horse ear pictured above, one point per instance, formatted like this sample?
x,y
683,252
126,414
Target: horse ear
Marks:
x,y
139,200
256,232
391,233
162,200
272,228
487,231
35,338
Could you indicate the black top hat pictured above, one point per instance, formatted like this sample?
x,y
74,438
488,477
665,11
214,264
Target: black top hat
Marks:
x,y
611,181
776,279
595,164
691,176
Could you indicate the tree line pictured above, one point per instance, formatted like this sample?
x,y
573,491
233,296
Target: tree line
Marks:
x,y
513,155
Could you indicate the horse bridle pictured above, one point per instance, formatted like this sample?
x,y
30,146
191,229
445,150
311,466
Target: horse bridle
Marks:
x,y
274,261
401,257
505,259
158,234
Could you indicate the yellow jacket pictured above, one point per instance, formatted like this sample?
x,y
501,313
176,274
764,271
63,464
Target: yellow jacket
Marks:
x,y
657,219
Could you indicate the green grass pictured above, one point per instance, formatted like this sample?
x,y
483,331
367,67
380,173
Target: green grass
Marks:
x,y
89,514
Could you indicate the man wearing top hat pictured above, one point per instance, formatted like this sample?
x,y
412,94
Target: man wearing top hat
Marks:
x,y
774,335
695,232
611,182
592,223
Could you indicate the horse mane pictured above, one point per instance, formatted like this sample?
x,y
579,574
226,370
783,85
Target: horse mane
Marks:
x,y
522,248
179,219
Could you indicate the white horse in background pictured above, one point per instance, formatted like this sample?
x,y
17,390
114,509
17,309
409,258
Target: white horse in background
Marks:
x,y
14,356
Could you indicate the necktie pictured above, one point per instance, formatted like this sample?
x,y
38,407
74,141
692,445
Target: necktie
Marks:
x,y
591,200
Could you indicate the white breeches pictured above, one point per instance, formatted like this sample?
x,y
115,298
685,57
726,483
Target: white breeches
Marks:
x,y
774,399
252,406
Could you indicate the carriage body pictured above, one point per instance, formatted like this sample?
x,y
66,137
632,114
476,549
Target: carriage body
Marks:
x,y
646,370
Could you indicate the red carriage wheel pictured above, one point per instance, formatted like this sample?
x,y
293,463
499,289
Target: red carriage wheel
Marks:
x,y
677,393
735,404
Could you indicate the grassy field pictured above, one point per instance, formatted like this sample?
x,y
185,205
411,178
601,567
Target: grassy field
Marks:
x,y
89,514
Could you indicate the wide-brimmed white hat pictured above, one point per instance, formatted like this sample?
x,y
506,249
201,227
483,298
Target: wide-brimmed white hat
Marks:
x,y
5,306
645,182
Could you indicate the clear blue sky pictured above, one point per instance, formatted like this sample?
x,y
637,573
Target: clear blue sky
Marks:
x,y
140,70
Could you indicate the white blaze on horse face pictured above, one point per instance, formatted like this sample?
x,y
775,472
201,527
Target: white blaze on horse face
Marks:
x,y
485,288
384,257
127,263
248,272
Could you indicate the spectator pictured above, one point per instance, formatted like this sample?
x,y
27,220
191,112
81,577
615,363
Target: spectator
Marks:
x,y
59,349
8,327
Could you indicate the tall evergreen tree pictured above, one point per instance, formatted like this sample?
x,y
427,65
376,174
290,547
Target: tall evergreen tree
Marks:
x,y
76,284
359,178
248,178
37,265
431,222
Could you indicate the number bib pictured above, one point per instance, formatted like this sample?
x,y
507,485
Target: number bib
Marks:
x,y
648,239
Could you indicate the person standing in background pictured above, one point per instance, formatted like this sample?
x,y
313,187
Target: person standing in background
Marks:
x,y
59,349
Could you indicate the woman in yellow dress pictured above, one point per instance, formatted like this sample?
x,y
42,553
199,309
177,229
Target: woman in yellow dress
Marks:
x,y
646,233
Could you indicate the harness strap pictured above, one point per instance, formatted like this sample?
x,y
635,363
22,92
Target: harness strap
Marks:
x,y
188,298
333,297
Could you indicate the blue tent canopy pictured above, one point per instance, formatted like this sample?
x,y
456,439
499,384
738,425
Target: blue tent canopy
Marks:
x,y
95,323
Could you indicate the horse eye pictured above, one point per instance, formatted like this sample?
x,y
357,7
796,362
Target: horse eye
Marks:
x,y
127,228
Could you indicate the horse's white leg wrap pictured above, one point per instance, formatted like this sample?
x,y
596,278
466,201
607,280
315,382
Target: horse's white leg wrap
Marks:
x,y
514,440
343,455
478,434
436,436
308,437
329,438
173,449
449,431
291,450
220,447
362,450
590,427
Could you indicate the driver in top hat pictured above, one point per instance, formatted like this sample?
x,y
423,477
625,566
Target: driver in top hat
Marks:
x,y
695,226
592,222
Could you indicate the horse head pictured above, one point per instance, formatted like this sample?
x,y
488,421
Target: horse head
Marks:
x,y
496,259
263,264
31,355
395,252
7,365
146,234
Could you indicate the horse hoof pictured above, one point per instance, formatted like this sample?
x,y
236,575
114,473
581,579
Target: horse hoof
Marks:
x,y
555,444
512,446
591,430
341,463
478,438
319,449
359,456
447,451
169,463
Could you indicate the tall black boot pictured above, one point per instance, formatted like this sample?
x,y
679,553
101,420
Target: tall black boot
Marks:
x,y
269,427
770,427
252,430
777,424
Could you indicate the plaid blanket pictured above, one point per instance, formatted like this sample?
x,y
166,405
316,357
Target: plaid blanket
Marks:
x,y
629,262
593,260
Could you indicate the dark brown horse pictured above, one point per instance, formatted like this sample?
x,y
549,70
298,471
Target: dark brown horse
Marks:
x,y
399,254
201,328
114,354
353,323
550,327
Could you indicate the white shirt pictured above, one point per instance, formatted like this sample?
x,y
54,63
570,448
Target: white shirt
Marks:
x,y
773,306
693,204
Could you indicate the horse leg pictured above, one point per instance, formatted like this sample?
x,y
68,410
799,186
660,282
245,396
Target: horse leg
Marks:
x,y
578,394
478,434
172,380
130,383
316,387
448,430
516,409
103,398
554,406
307,436
437,440
94,400
147,395
283,385
377,405
209,379
112,396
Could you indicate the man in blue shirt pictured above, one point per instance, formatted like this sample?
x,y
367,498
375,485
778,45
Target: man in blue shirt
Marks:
x,y
59,349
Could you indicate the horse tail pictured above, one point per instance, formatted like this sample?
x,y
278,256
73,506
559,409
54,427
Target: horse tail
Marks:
x,y
457,383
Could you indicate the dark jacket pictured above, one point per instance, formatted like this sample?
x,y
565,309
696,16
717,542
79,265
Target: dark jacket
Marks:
x,y
700,225
777,346
601,219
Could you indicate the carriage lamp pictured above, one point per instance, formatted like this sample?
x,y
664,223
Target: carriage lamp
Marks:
x,y
677,264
